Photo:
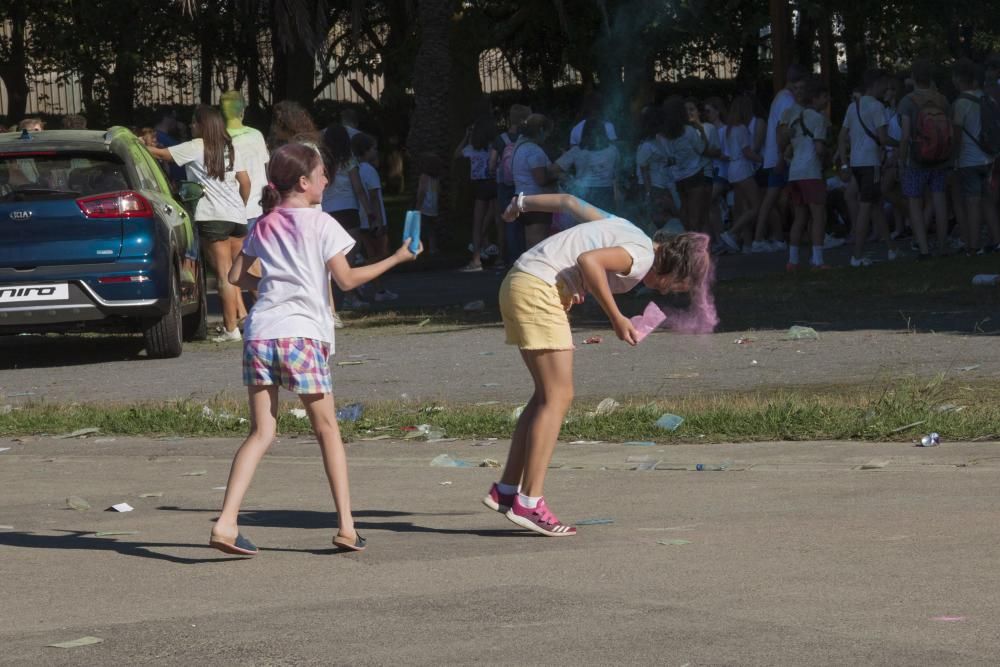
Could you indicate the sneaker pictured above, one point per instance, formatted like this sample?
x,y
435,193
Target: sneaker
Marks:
x,y
791,267
892,255
352,302
761,246
337,322
228,336
540,519
386,295
471,268
491,250
832,242
864,261
778,246
730,242
498,502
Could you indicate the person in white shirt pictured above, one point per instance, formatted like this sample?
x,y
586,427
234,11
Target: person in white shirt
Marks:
x,y
530,166
211,161
714,112
742,174
595,164
689,152
775,169
974,163
802,132
374,232
289,332
653,170
603,256
592,109
862,137
475,147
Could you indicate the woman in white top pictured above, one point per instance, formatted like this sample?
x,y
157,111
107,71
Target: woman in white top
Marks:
x,y
532,176
689,152
890,166
742,168
595,164
220,216
652,165
475,146
345,198
715,128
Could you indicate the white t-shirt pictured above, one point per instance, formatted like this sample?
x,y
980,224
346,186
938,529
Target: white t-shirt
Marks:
x,y
222,200
685,153
339,193
968,114
651,154
782,101
479,162
554,259
802,123
371,181
527,156
593,169
294,245
864,149
740,168
577,132
250,144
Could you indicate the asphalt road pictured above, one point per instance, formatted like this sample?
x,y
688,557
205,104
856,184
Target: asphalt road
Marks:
x,y
796,556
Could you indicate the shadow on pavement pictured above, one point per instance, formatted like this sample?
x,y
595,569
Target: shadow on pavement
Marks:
x,y
311,519
68,350
85,540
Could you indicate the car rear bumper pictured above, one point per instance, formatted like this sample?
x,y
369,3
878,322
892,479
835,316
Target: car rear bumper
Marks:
x,y
83,301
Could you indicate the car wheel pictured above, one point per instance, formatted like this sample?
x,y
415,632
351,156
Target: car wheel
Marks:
x,y
196,324
163,336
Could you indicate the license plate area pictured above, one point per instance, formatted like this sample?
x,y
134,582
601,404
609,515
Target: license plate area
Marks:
x,y
26,294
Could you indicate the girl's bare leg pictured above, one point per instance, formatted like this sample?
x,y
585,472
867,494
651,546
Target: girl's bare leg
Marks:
x,y
323,416
552,371
263,425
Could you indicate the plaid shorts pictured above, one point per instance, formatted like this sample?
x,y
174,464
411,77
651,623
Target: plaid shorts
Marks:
x,y
917,180
301,365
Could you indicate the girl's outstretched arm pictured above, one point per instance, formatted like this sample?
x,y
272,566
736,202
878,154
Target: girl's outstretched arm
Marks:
x,y
580,210
348,277
594,266
160,153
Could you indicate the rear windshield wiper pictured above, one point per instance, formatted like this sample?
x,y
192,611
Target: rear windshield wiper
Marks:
x,y
21,192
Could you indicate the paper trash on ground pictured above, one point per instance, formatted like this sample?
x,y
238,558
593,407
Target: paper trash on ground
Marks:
x,y
121,507
82,641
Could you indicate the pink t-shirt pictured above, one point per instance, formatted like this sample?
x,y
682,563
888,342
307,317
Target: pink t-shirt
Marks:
x,y
294,245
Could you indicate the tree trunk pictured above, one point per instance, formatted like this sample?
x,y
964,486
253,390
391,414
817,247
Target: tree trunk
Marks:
x,y
207,55
854,42
294,64
14,72
121,85
805,40
429,123
780,42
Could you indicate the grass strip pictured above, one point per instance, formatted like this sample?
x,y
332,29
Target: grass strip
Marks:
x,y
958,411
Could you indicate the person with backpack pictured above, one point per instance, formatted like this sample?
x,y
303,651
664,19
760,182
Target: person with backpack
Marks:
x,y
976,117
501,154
925,148
802,138
529,163
863,136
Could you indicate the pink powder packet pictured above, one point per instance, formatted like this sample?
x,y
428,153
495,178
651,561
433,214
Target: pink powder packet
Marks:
x,y
650,319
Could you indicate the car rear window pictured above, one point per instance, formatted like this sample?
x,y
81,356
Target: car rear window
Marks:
x,y
59,175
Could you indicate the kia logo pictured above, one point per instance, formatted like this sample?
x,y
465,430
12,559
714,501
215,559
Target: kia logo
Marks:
x,y
20,215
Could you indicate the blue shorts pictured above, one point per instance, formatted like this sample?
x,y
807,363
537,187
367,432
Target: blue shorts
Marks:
x,y
777,180
917,180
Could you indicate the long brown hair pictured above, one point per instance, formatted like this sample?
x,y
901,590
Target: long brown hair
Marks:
x,y
219,152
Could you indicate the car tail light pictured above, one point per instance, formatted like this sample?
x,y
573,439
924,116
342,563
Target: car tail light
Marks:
x,y
112,280
125,204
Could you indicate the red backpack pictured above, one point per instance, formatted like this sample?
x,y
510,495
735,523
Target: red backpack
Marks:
x,y
933,133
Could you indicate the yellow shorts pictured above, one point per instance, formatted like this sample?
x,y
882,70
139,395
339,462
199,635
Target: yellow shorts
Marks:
x,y
533,314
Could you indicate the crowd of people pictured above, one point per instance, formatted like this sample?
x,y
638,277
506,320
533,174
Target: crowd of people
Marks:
x,y
758,180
